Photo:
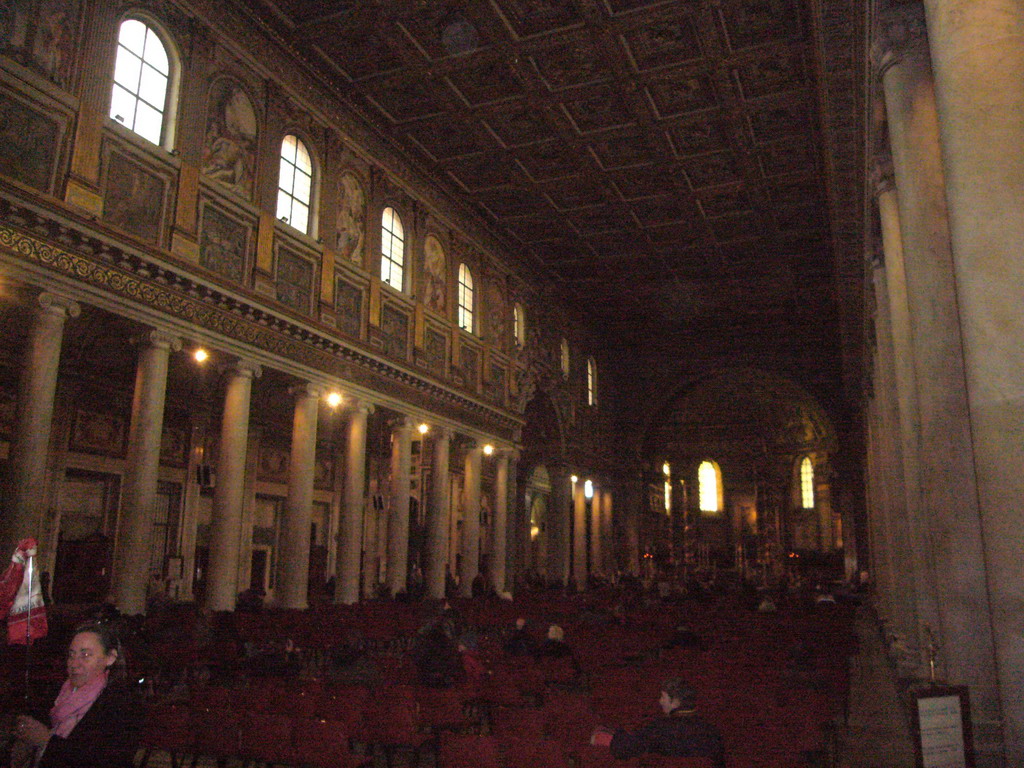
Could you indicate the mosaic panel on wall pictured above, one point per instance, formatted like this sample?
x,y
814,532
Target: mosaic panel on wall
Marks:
x,y
394,326
223,244
294,280
42,35
351,223
435,276
133,199
97,432
28,144
229,146
470,365
495,386
434,355
348,300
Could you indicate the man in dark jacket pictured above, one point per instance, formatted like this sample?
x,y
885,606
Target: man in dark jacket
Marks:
x,y
680,733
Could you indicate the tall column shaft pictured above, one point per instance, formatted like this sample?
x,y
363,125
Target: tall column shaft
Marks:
x,y
225,527
438,514
470,564
978,57
559,516
596,533
350,530
579,536
498,526
293,563
138,491
607,534
398,520
948,520
34,417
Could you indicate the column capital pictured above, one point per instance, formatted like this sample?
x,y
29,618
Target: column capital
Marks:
x,y
157,338
362,406
882,177
58,305
306,389
401,422
245,368
900,32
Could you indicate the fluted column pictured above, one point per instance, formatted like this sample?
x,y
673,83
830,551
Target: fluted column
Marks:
x,y
225,532
948,520
977,52
293,564
470,564
34,417
499,532
398,519
350,529
579,536
438,514
138,491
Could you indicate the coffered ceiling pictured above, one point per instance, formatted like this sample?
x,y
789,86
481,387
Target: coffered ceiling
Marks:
x,y
659,161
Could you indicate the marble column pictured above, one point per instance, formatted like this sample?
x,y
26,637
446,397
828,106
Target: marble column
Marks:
x,y
293,562
350,529
142,463
26,469
398,517
579,536
499,532
470,564
225,527
608,534
596,533
558,517
956,608
977,53
438,514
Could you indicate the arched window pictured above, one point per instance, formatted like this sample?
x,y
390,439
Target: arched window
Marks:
x,y
709,478
564,356
392,249
294,184
807,483
465,298
142,82
519,325
591,381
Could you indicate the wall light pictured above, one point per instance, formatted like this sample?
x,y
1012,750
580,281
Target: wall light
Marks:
x,y
534,531
588,489
201,355
574,479
488,449
334,399
423,428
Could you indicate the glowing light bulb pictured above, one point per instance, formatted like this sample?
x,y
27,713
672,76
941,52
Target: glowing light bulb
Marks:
x,y
334,399
201,355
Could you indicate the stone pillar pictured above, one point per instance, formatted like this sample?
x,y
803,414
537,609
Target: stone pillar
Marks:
x,y
225,533
956,607
499,533
978,56
398,520
579,536
293,562
138,490
470,564
608,534
350,530
26,469
438,514
558,515
596,533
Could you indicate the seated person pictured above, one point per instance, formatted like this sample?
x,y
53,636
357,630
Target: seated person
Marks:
x,y
554,645
519,642
680,733
684,637
93,723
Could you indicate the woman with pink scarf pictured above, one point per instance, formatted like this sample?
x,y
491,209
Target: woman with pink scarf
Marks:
x,y
94,724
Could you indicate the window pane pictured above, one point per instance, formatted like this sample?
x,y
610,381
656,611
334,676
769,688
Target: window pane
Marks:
x,y
302,158
148,122
132,36
302,186
122,106
153,88
300,216
127,68
707,477
284,205
288,149
286,180
155,55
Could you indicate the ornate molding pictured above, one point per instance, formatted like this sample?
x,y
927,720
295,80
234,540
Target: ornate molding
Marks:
x,y
95,267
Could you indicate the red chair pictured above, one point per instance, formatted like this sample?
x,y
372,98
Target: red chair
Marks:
x,y
467,752
267,739
217,732
323,744
532,752
440,708
167,728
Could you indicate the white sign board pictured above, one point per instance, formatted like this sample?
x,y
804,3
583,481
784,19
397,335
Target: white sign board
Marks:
x,y
942,732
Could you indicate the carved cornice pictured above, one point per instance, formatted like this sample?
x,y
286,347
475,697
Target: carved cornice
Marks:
x,y
120,279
